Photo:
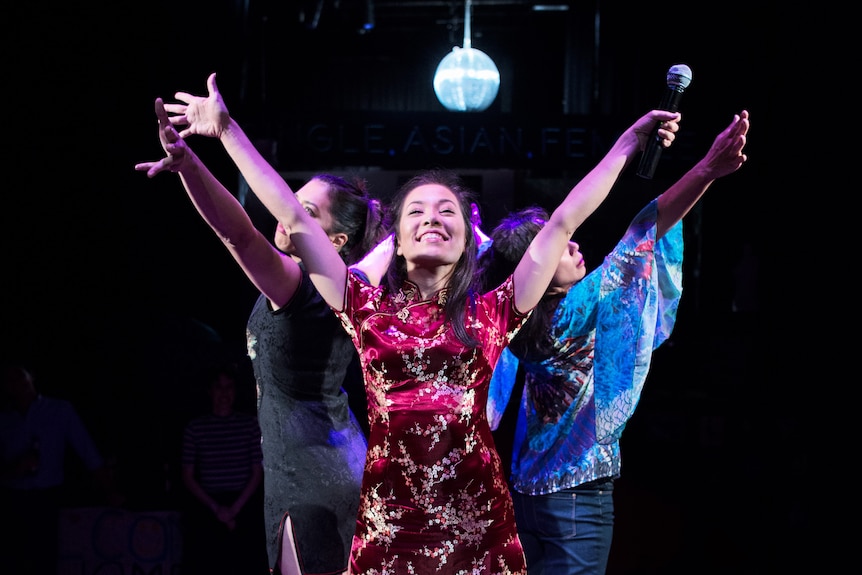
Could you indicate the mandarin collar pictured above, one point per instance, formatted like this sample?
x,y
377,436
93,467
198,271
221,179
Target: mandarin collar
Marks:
x,y
410,294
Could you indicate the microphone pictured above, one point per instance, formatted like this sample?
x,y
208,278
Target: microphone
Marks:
x,y
678,79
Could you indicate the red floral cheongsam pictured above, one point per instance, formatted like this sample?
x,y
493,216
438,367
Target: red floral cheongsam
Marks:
x,y
434,494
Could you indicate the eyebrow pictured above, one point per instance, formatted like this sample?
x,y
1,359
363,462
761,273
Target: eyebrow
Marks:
x,y
308,204
437,202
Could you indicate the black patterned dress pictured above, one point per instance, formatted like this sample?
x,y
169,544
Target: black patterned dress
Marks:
x,y
313,446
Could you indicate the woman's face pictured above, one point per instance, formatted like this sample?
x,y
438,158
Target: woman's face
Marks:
x,y
431,230
314,197
570,270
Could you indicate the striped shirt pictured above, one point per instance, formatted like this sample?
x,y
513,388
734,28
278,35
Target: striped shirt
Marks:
x,y
222,450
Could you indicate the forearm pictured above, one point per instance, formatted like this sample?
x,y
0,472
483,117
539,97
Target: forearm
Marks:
x,y
589,193
198,492
325,266
724,157
675,202
536,268
215,203
250,487
264,180
376,262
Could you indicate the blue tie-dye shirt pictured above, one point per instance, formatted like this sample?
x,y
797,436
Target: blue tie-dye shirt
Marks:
x,y
576,403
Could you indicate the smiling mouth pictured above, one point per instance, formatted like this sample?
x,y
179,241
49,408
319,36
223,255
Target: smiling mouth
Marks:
x,y
434,236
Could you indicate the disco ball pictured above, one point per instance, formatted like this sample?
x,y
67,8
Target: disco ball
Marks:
x,y
466,80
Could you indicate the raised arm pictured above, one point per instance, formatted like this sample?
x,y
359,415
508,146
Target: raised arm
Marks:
x,y
537,267
724,157
209,116
275,274
375,263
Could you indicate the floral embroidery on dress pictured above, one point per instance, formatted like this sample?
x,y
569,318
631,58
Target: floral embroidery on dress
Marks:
x,y
435,499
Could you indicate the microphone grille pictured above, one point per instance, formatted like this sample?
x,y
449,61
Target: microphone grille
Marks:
x,y
679,76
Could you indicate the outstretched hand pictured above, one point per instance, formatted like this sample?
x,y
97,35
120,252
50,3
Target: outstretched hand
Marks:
x,y
204,116
174,146
725,155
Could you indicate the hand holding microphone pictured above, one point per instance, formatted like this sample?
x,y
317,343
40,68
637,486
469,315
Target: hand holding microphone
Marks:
x,y
678,79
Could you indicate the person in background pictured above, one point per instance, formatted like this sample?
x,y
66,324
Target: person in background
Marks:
x,y
313,445
221,469
35,432
434,495
585,354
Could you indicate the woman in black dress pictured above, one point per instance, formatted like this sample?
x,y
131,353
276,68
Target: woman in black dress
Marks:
x,y
313,446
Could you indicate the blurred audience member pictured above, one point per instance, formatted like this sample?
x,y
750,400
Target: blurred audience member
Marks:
x,y
35,431
222,470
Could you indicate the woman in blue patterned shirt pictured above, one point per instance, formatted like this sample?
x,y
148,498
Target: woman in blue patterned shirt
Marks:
x,y
585,352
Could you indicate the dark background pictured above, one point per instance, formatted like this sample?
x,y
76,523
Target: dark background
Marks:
x,y
116,293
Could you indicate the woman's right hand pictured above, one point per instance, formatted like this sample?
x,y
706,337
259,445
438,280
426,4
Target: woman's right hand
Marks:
x,y
176,151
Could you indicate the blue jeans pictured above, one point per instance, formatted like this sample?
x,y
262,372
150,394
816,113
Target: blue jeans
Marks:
x,y
568,532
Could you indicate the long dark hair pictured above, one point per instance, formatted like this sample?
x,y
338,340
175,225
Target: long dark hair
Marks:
x,y
355,214
463,283
510,240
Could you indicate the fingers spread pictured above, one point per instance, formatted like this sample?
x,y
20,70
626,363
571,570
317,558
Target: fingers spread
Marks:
x,y
184,97
176,108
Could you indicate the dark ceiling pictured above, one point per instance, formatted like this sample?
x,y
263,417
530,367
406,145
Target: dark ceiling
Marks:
x,y
593,58
410,15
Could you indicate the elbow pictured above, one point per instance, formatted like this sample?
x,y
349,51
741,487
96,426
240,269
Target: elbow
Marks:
x,y
240,240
